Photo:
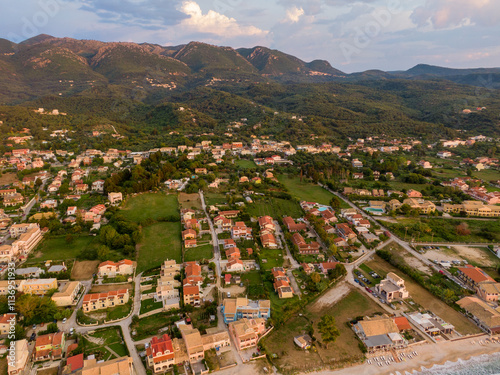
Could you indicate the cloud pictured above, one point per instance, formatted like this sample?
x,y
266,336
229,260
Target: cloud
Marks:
x,y
446,14
293,14
214,23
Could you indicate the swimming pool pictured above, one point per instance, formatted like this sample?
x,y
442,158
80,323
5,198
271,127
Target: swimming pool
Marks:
x,y
375,211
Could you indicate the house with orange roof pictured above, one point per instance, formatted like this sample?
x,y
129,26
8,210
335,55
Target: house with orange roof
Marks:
x,y
113,269
189,234
266,223
160,354
473,276
292,226
49,346
98,301
191,295
6,321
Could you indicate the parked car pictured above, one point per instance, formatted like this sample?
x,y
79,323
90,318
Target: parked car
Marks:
x,y
33,336
64,320
34,327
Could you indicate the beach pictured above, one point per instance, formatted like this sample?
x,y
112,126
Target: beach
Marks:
x,y
428,356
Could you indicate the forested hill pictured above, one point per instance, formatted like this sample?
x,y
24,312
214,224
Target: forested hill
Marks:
x,y
156,95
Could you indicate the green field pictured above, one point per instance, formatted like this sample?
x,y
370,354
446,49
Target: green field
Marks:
x,y
161,241
109,338
199,253
151,206
445,230
56,248
487,175
274,258
148,305
245,164
212,199
305,191
149,326
275,207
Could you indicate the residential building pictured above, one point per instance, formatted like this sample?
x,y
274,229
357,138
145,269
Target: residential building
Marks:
x,y
113,269
37,286
266,223
292,226
160,354
484,315
6,321
345,231
98,301
303,247
19,364
268,240
241,231
191,295
122,366
68,294
473,276
392,288
379,333
49,346
488,291
432,325
245,332
425,207
235,309
473,208
115,197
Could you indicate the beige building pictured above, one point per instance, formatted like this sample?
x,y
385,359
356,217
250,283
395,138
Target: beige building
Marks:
x,y
20,364
98,301
37,286
122,366
473,208
112,269
196,344
115,197
425,207
392,288
68,294
245,332
5,323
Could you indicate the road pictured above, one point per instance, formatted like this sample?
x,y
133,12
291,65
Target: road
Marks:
x,y
124,324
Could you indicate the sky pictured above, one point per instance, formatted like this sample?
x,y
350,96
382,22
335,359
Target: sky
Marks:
x,y
352,35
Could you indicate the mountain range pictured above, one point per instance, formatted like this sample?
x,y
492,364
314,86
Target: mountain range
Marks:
x,y
45,65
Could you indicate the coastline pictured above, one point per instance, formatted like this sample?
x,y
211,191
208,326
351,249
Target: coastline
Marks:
x,y
429,355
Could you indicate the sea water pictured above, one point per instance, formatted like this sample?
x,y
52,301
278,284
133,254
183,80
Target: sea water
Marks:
x,y
480,365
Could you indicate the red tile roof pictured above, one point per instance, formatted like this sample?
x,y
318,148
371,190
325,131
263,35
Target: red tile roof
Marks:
x,y
75,362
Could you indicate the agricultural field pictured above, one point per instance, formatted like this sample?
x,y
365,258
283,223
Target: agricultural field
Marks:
x,y
57,248
275,207
161,241
152,206
199,253
425,299
344,349
192,201
487,175
306,191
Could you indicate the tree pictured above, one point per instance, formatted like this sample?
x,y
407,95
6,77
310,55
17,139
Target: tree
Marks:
x,y
315,277
328,329
463,229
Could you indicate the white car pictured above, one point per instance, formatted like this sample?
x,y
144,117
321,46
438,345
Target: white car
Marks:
x,y
64,320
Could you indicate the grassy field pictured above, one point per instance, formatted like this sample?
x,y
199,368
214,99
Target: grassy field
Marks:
x,y
444,230
487,175
83,270
275,207
149,326
192,201
212,199
245,164
160,242
148,305
344,349
273,257
151,206
199,253
97,342
56,248
425,299
305,190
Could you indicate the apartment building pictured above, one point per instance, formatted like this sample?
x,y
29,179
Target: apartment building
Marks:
x,y
98,301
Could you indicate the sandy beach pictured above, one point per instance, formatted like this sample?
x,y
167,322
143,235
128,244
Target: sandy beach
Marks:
x,y
428,356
